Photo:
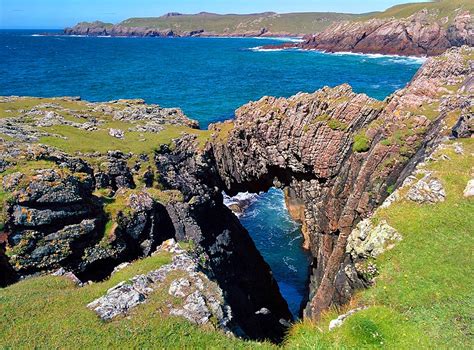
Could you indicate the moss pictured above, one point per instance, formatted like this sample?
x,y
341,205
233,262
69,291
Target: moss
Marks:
x,y
361,142
165,197
222,131
335,124
322,118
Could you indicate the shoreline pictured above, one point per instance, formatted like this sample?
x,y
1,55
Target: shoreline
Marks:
x,y
338,53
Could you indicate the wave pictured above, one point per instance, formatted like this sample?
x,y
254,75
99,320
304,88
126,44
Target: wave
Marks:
x,y
391,58
261,49
283,38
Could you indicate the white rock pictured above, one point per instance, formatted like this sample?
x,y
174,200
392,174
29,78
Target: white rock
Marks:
x,y
340,320
427,190
469,190
117,133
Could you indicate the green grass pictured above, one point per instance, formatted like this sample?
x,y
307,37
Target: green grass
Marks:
x,y
71,139
423,296
50,312
444,8
361,143
296,23
78,140
335,124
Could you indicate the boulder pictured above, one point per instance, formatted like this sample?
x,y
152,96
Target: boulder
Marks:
x,y
369,241
469,190
428,190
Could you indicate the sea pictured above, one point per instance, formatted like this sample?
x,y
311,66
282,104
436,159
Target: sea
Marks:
x,y
208,78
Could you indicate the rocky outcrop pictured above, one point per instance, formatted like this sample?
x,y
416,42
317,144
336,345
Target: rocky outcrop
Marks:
x,y
369,241
87,213
427,190
424,33
200,300
307,143
338,154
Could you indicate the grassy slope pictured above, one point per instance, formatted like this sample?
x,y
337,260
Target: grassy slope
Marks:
x,y
297,23
423,297
445,8
50,312
78,140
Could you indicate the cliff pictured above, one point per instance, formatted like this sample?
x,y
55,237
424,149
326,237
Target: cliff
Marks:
x,y
421,34
341,154
88,186
210,24
423,29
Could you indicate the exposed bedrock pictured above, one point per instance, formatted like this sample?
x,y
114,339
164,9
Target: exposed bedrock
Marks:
x,y
424,33
226,247
339,154
85,221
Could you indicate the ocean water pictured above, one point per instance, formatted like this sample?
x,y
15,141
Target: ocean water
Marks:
x,y
279,240
208,78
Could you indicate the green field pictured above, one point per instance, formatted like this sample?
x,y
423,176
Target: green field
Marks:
x,y
296,23
443,8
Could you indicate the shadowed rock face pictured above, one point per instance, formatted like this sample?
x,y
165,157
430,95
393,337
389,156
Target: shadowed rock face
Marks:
x,y
339,152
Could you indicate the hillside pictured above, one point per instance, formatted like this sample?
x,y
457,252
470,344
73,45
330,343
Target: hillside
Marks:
x,y
208,24
442,8
422,29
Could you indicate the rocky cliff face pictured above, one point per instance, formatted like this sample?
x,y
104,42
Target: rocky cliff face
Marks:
x,y
88,212
340,154
424,33
102,29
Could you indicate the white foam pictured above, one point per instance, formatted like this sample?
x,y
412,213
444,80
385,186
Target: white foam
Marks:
x,y
261,49
393,58
285,39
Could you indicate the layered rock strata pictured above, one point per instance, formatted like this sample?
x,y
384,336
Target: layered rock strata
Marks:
x,y
340,154
424,33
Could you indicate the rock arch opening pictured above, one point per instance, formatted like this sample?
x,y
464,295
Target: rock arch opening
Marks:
x,y
278,236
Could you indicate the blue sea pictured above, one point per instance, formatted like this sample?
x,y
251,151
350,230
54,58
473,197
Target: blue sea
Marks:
x,y
208,78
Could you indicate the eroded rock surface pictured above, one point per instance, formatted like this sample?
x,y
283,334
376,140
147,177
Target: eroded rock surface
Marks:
x,y
307,144
201,299
424,33
88,212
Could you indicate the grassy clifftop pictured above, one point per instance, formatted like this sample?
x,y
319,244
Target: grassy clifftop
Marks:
x,y
422,297
296,23
443,8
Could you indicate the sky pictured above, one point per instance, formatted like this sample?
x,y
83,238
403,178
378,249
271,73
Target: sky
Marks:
x,y
52,14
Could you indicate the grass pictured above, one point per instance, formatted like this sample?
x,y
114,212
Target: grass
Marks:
x,y
71,139
50,312
423,296
443,8
361,143
78,140
296,23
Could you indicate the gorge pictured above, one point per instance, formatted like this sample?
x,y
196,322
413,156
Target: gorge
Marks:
x,y
337,154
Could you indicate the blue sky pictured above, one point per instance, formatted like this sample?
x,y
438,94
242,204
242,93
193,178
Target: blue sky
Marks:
x,y
52,14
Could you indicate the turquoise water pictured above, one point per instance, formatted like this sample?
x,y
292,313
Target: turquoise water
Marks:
x,y
208,78
279,240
